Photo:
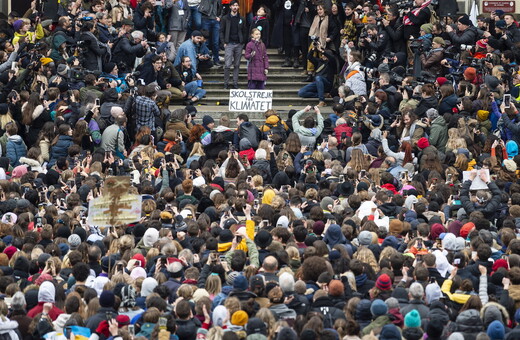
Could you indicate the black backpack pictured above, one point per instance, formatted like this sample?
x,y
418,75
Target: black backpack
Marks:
x,y
249,132
278,129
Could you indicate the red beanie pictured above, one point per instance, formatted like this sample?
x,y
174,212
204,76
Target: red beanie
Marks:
x,y
384,282
441,81
500,263
423,143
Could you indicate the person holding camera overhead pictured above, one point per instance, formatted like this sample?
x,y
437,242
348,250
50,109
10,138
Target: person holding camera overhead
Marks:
x,y
374,44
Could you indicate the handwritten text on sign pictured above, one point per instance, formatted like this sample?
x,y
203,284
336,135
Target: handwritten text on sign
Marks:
x,y
250,100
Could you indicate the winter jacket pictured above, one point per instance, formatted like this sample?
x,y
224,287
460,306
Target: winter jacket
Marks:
x,y
225,29
60,149
187,329
424,105
438,136
53,313
141,23
282,312
325,306
419,305
15,148
377,325
177,21
250,132
338,131
307,136
94,321
57,40
256,54
32,164
431,62
113,138
469,323
93,53
124,52
355,79
489,210
467,37
217,141
447,104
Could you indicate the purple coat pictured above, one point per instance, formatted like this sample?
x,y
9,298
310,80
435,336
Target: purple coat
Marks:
x,y
258,63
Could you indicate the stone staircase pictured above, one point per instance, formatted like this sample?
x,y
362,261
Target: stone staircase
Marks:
x,y
284,81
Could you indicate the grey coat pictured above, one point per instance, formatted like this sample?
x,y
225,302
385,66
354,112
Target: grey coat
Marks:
x,y
177,21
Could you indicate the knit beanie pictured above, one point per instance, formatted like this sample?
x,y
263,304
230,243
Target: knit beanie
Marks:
x,y
384,282
107,299
412,319
378,308
496,330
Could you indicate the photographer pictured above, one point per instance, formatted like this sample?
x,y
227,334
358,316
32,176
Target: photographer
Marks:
x,y
431,60
393,25
326,69
415,18
485,201
94,50
128,47
375,44
465,34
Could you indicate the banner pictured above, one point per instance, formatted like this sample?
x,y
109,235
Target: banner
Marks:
x,y
116,206
250,100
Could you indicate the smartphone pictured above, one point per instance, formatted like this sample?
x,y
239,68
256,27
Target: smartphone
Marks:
x,y
403,175
97,102
507,101
256,204
363,173
13,65
119,267
138,263
131,330
179,133
265,223
342,178
456,261
249,178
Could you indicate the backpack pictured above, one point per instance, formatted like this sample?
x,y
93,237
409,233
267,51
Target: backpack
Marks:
x,y
249,132
278,129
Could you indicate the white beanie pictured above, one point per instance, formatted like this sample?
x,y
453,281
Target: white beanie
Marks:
x,y
150,237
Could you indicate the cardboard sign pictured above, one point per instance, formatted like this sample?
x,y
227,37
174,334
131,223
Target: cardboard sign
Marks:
x,y
250,100
491,6
477,184
116,206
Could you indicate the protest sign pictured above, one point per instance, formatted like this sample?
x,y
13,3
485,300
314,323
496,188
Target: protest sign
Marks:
x,y
116,206
477,184
250,100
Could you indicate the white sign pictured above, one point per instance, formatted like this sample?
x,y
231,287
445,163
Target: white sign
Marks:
x,y
477,184
250,100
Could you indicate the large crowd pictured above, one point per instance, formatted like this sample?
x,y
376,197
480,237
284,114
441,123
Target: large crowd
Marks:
x,y
395,217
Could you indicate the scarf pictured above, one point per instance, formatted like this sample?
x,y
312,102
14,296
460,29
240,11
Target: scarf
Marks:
x,y
361,279
406,19
169,145
320,28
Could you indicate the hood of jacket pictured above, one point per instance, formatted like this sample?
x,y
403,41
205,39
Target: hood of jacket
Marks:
x,y
469,321
47,292
512,149
272,119
15,139
30,162
221,128
492,311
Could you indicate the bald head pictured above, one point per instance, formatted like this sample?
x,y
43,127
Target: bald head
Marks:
x,y
270,264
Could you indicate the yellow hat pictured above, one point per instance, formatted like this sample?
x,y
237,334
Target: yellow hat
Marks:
x,y
239,318
482,115
268,196
45,60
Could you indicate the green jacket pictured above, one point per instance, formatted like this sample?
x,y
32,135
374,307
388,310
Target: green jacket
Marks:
x,y
439,134
376,325
307,136
252,253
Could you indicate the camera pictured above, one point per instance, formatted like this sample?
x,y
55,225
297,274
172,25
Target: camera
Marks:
x,y
315,40
372,57
464,47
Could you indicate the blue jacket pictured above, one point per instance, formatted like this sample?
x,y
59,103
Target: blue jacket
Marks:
x,y
15,148
60,149
188,48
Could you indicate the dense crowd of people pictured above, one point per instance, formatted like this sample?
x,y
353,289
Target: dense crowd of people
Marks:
x,y
395,217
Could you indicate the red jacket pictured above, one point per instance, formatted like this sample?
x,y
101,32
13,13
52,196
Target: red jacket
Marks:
x,y
338,130
53,313
250,153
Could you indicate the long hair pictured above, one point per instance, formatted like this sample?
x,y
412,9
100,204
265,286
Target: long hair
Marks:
x,y
407,149
232,168
197,150
446,90
143,130
30,106
80,130
358,161
293,143
195,133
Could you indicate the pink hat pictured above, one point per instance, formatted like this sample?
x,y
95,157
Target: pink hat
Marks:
x,y
19,171
138,272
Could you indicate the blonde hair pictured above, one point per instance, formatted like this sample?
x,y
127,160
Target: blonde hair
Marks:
x,y
197,149
267,317
365,255
293,253
232,304
213,284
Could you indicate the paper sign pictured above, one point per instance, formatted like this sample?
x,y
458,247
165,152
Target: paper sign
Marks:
x,y
116,206
250,100
477,184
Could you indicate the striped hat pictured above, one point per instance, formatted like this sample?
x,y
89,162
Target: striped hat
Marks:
x,y
384,282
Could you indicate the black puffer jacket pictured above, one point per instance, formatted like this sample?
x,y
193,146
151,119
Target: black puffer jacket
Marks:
x,y
325,306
